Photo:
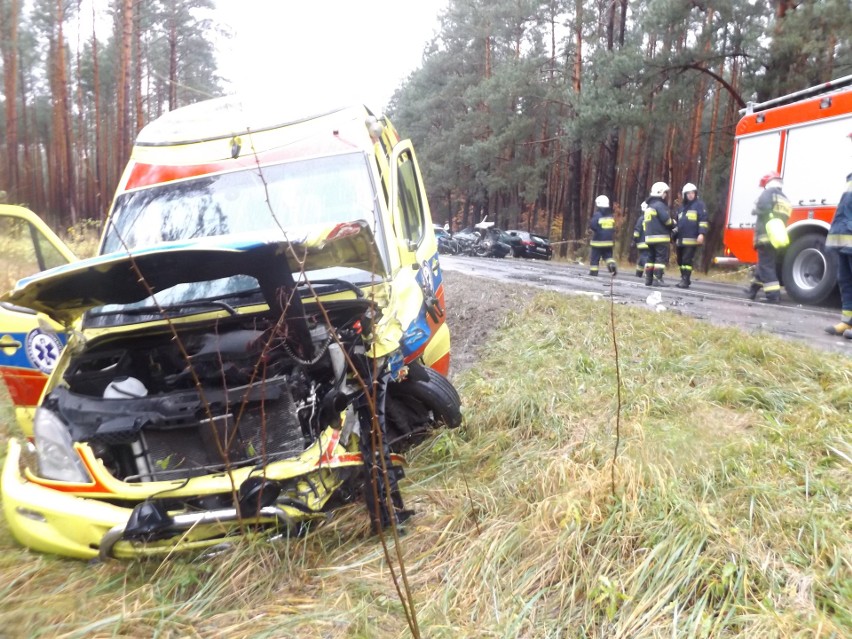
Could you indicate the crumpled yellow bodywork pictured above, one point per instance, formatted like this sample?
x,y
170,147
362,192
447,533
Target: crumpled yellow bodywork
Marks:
x,y
71,520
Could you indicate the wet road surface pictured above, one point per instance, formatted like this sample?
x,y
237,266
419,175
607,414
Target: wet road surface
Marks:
x,y
716,302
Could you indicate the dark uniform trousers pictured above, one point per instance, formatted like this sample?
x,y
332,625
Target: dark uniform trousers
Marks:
x,y
685,258
766,274
658,259
600,253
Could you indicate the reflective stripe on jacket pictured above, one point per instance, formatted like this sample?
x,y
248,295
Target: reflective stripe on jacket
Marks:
x,y
772,203
692,221
840,233
658,223
603,228
639,233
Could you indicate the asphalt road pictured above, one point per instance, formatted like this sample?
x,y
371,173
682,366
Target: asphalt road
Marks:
x,y
715,302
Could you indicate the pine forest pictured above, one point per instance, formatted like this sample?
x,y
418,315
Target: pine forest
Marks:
x,y
74,101
522,110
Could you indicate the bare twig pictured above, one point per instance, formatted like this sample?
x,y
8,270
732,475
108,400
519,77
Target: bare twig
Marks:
x,y
472,503
406,597
617,382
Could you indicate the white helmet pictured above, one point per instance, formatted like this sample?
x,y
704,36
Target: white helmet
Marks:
x,y
659,189
602,201
689,186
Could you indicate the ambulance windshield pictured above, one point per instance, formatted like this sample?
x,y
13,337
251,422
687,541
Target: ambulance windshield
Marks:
x,y
271,198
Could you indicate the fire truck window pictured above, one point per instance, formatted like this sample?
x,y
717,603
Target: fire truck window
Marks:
x,y
807,182
756,155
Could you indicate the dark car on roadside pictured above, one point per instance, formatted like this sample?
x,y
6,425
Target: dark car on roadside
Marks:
x,y
512,241
483,240
447,245
530,245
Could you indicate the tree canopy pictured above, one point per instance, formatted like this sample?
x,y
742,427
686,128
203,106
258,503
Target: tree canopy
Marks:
x,y
74,98
525,110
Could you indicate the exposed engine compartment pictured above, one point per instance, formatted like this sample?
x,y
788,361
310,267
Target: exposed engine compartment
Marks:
x,y
155,407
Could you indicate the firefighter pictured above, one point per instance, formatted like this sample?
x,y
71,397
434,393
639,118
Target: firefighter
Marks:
x,y
840,240
639,240
602,226
692,225
657,226
770,234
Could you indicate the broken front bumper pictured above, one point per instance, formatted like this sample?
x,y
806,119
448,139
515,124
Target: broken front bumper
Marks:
x,y
58,522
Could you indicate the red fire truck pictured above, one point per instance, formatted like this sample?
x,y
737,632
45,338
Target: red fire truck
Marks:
x,y
804,136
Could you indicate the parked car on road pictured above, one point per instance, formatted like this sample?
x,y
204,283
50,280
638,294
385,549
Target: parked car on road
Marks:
x,y
530,245
512,241
447,244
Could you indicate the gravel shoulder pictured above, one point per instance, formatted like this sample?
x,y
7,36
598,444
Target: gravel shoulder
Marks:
x,y
477,307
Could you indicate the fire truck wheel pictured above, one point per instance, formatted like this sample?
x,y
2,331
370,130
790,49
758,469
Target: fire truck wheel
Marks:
x,y
809,272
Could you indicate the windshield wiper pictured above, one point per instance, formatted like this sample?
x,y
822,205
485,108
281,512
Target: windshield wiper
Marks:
x,y
151,309
333,285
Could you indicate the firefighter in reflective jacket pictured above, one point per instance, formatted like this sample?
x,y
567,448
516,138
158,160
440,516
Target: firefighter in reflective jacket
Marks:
x,y
639,240
840,239
602,225
692,225
772,210
658,229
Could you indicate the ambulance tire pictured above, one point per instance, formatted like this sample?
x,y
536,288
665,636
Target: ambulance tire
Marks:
x,y
434,391
416,406
809,272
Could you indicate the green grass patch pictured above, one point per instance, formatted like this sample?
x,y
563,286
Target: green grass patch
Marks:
x,y
731,515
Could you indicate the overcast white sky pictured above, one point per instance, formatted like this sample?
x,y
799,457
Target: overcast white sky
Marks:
x,y
325,51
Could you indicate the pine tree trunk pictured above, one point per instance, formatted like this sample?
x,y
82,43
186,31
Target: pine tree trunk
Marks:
x,y
28,180
137,75
69,169
122,102
693,155
62,205
84,172
173,66
100,156
9,51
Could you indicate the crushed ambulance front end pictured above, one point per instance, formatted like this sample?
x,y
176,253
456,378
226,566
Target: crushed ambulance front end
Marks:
x,y
177,421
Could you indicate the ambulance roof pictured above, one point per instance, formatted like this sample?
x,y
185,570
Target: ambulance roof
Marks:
x,y
228,116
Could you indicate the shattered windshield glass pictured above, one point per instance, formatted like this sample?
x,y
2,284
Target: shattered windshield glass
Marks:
x,y
271,198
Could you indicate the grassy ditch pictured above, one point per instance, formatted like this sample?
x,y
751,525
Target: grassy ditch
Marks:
x,y
731,515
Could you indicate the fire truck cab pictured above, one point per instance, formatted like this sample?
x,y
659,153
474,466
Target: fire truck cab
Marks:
x,y
804,136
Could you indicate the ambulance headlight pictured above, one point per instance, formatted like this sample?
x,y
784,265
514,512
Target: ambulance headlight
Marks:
x,y
57,458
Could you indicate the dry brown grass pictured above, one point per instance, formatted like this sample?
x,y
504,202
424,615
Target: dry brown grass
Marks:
x,y
731,516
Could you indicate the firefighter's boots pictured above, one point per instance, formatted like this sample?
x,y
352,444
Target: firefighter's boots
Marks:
x,y
841,328
753,290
